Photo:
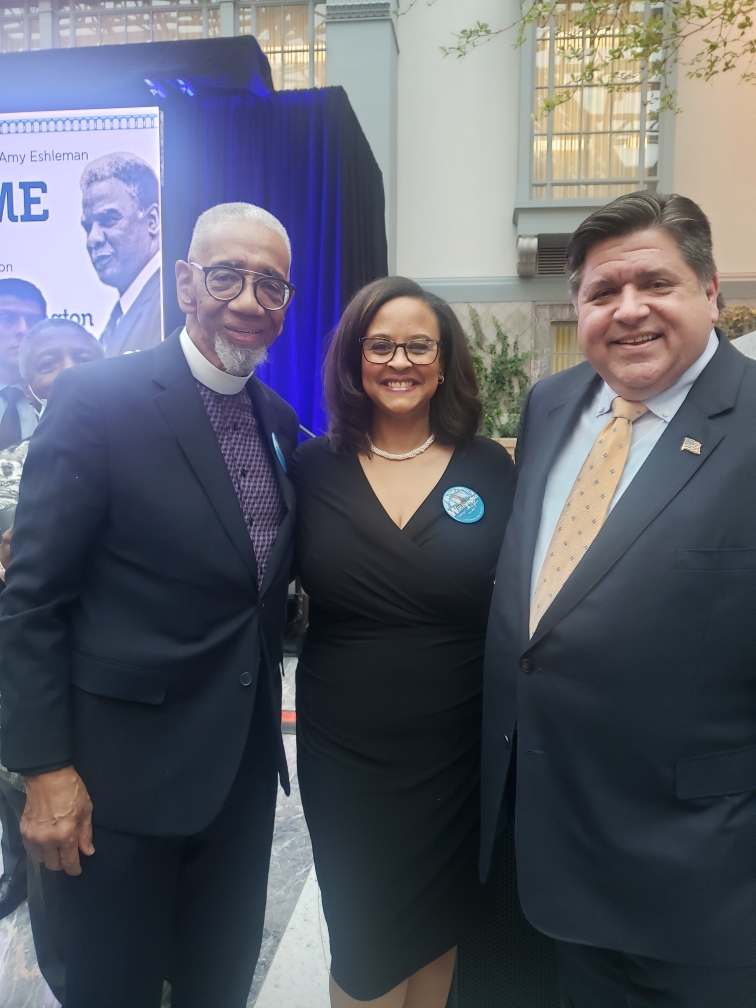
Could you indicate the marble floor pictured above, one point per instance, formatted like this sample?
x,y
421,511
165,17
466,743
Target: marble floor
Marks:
x,y
293,920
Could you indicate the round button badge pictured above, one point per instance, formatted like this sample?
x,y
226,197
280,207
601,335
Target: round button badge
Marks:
x,y
463,505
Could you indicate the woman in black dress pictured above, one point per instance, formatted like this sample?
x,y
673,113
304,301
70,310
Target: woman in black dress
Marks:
x,y
402,513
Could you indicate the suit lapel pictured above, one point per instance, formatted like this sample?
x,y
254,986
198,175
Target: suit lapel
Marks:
x,y
661,477
117,339
267,420
558,425
180,403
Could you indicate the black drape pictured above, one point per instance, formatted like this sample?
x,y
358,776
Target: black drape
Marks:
x,y
303,156
227,137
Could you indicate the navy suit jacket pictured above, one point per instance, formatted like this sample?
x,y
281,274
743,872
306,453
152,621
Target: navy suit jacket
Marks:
x,y
133,633
633,707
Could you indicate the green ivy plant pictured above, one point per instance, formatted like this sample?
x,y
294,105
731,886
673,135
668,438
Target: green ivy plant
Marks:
x,y
737,320
501,375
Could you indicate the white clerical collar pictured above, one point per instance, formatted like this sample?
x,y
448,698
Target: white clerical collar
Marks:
x,y
208,374
133,291
665,404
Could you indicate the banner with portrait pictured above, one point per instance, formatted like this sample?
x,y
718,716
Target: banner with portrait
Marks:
x,y
80,218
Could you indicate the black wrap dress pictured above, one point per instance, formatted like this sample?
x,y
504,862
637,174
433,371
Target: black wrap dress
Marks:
x,y
389,708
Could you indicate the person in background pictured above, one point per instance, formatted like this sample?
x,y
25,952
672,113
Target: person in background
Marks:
x,y
621,656
47,349
401,513
142,630
746,344
120,213
21,307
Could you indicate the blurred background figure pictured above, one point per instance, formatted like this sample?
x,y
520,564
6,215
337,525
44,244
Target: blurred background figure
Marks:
x,y
746,344
49,347
22,306
120,213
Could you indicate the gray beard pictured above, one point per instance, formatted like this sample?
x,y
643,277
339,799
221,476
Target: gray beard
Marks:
x,y
236,360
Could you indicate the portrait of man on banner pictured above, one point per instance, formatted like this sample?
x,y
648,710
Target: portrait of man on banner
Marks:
x,y
120,214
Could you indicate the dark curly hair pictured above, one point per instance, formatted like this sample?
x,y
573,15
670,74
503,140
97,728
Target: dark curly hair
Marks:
x,y
455,410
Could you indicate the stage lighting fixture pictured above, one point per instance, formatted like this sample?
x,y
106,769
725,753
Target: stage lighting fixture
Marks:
x,y
155,88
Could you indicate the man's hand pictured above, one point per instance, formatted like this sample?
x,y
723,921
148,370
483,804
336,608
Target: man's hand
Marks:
x,y
57,820
5,547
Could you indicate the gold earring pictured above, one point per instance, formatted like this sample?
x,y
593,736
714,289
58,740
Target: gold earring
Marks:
x,y
441,379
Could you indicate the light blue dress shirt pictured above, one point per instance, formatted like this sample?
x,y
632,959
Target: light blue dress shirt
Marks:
x,y
26,413
646,432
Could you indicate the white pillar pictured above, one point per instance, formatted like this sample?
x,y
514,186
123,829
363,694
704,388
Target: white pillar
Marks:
x,y
227,19
362,57
45,25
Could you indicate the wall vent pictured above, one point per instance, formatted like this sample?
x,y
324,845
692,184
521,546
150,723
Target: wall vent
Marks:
x,y
550,261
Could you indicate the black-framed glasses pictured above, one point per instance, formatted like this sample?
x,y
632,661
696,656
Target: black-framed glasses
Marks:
x,y
225,283
379,350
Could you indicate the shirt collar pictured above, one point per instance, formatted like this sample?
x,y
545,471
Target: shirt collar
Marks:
x,y
665,404
208,374
133,291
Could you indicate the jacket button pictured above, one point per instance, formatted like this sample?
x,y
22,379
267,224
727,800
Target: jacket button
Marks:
x,y
506,740
246,678
526,665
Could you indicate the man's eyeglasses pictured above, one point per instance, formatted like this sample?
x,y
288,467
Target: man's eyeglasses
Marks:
x,y
225,283
378,350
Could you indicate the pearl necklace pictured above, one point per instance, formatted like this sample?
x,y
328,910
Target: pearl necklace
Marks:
x,y
407,455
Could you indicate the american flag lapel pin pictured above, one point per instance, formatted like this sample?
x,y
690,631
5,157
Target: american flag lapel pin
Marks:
x,y
691,445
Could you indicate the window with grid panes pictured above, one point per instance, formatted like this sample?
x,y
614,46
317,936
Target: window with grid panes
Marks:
x,y
599,143
115,22
292,35
19,27
565,352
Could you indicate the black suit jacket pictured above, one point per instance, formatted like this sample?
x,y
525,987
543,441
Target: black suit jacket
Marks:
x,y
131,620
142,325
634,704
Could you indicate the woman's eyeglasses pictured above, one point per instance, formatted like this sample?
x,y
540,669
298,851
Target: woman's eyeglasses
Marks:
x,y
378,350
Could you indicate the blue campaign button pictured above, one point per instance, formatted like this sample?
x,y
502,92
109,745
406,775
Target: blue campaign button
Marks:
x,y
463,505
277,450
246,678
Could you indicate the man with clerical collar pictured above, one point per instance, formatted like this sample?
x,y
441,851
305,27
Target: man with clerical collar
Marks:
x,y
21,307
141,633
121,217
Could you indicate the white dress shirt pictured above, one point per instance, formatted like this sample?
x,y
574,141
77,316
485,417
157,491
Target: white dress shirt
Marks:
x,y
133,291
207,373
646,432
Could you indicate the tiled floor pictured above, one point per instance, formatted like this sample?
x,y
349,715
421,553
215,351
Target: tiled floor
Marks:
x,y
291,877
290,865
21,984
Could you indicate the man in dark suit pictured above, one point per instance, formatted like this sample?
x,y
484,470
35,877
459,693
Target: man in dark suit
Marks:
x,y
120,213
621,665
141,635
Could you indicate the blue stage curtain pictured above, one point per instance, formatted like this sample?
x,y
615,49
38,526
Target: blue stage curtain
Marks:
x,y
302,156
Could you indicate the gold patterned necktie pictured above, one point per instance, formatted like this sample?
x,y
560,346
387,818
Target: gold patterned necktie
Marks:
x,y
587,505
